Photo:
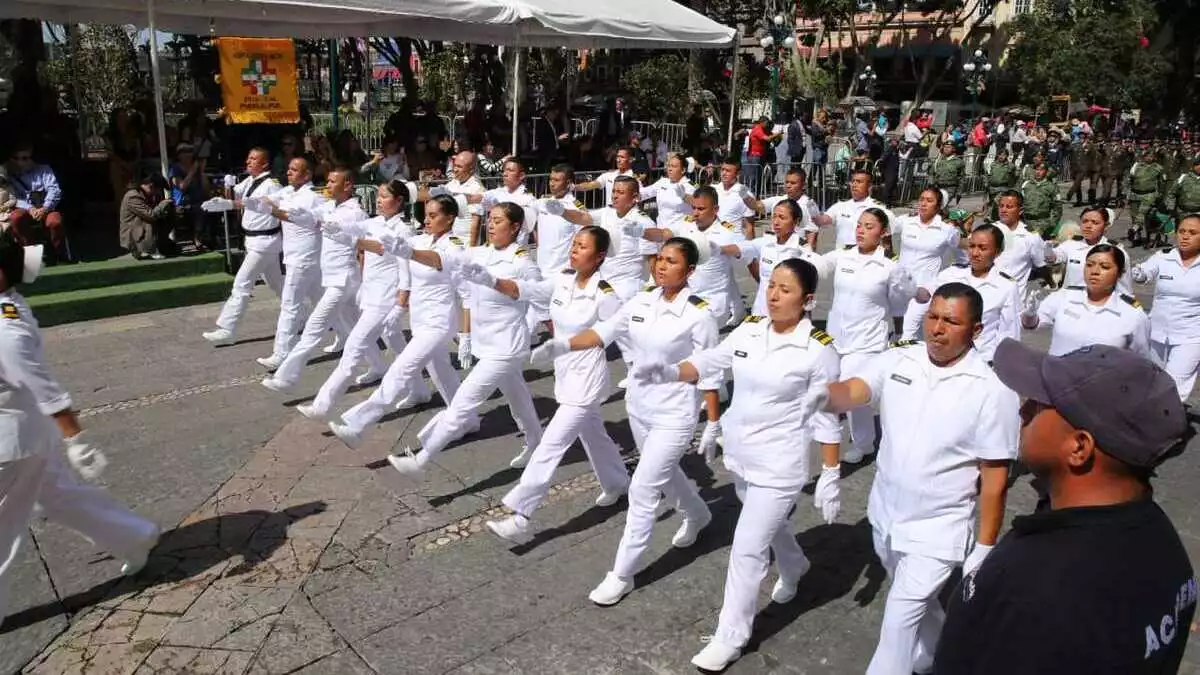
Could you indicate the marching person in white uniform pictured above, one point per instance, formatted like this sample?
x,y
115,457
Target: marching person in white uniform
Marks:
x,y
866,285
501,345
714,276
950,432
340,279
36,417
464,182
579,298
1024,250
736,205
1098,313
1001,303
512,191
665,325
673,195
554,235
263,244
844,214
811,217
924,240
1175,314
786,240
295,207
434,258
385,279
608,179
781,367
1093,223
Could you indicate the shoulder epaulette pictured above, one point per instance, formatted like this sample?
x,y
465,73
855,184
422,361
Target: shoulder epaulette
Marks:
x,y
578,204
753,318
455,240
9,311
568,271
698,301
521,250
728,226
547,197
1137,304
649,287
605,287
1168,249
821,336
689,219
1078,237
905,343
962,265
847,247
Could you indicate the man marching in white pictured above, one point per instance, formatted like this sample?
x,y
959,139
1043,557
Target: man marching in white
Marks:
x,y
512,191
554,235
844,214
737,206
263,242
950,432
1024,250
35,417
714,275
339,277
464,182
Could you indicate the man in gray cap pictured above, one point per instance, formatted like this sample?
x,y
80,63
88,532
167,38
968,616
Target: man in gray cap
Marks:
x,y
1100,582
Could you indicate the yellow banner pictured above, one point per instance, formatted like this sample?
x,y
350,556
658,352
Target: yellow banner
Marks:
x,y
258,80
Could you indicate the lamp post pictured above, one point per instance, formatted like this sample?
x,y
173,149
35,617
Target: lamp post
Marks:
x,y
779,38
867,79
975,71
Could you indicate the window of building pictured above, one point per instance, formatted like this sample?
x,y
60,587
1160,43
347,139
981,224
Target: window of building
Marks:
x,y
1022,6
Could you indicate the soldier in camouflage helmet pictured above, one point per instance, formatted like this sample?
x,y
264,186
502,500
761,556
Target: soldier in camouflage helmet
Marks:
x,y
1146,179
1183,197
948,171
1085,163
1001,177
1043,209
1112,165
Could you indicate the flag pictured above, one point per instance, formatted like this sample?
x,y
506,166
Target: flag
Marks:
x,y
258,80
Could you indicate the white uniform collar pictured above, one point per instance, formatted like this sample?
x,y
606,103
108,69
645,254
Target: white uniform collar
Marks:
x,y
970,365
677,306
1079,297
799,337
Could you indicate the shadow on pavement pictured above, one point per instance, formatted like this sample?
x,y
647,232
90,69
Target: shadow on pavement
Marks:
x,y
183,553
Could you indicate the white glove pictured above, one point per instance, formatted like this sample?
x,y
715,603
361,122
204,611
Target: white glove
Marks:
x,y
1048,252
256,205
903,285
1033,299
827,497
630,228
743,192
975,559
331,227
554,207
708,441
476,273
487,202
681,190
1139,274
548,351
438,191
88,461
654,372
464,351
230,180
401,247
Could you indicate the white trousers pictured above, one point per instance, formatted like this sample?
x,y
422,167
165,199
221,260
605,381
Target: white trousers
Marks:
x,y
862,419
257,264
914,316
427,349
373,323
569,422
43,485
1182,363
301,290
762,527
657,473
912,615
736,306
335,308
485,377
625,289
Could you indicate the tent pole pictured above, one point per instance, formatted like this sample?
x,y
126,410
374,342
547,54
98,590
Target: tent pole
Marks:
x,y
154,77
335,91
515,91
733,90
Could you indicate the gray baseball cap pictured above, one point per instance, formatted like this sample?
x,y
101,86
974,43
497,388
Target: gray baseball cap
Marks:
x,y
1128,404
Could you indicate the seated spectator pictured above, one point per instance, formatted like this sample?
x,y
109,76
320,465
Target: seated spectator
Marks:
x,y
36,190
188,190
147,214
8,204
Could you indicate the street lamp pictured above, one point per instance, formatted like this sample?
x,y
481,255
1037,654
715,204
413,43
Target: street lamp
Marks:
x,y
867,80
975,72
780,37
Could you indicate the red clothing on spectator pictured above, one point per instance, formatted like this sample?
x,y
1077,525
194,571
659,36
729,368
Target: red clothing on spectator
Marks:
x,y
758,141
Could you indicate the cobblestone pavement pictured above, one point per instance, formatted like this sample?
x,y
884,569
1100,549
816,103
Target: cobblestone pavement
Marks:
x,y
286,552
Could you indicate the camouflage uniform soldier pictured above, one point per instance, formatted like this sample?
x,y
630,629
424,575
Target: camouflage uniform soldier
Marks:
x,y
1129,155
1146,179
1085,161
1183,197
1003,176
1169,157
1112,165
1043,209
947,173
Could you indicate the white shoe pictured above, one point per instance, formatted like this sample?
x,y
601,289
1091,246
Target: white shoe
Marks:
x,y
368,378
716,656
271,362
609,498
407,464
310,411
785,589
624,383
346,435
689,531
522,459
855,455
277,385
333,347
611,590
135,562
413,400
220,337
514,529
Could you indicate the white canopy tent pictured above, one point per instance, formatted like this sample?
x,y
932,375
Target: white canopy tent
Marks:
x,y
576,24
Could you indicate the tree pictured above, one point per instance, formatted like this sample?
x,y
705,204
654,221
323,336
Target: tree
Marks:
x,y
98,65
444,79
657,88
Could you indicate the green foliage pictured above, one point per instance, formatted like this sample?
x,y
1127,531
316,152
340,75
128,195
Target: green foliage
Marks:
x,y
659,86
444,79
98,64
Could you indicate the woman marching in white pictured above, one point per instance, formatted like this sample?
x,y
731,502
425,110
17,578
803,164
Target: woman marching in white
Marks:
x,y
501,343
384,278
1175,317
578,298
673,195
783,242
433,259
924,240
664,324
781,366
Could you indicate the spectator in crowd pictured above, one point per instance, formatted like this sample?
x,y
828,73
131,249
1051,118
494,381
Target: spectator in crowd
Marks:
x,y
819,130
146,216
761,138
35,187
189,188
386,164
8,204
347,149
289,149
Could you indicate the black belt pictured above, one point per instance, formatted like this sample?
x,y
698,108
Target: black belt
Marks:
x,y
263,233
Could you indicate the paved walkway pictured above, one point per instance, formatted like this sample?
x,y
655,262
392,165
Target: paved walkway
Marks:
x,y
287,552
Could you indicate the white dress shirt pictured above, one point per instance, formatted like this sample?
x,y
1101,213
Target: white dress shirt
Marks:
x,y
1175,315
1119,322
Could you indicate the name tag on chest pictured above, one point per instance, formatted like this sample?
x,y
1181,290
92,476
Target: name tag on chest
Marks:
x,y
636,319
768,261
738,352
557,301
901,379
847,270
1165,277
1070,313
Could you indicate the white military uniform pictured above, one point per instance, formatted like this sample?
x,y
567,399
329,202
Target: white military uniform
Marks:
x,y
462,224
581,384
522,198
767,436
923,248
672,209
33,476
1175,316
623,268
1001,305
263,243
340,279
301,260
1023,251
501,345
554,237
1119,322
808,211
938,424
732,208
845,218
609,178
864,290
662,417
714,277
770,252
1074,252
433,315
